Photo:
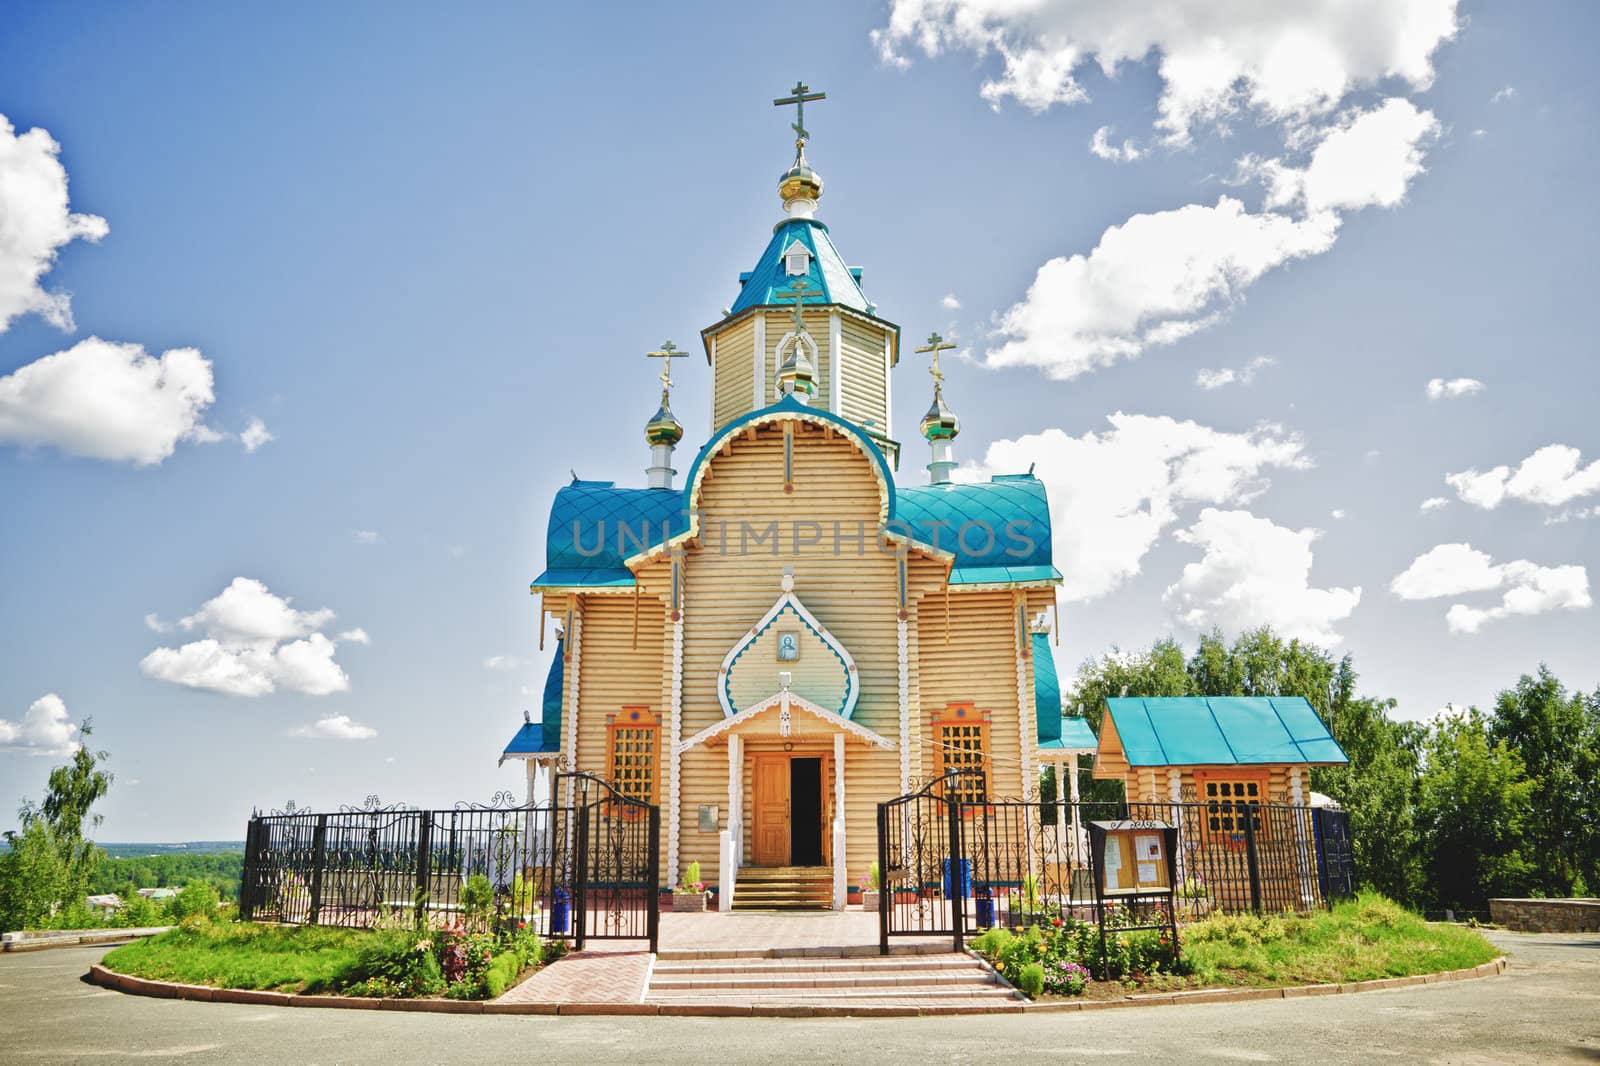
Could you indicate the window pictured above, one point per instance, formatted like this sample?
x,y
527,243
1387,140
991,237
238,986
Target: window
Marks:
x,y
796,259
961,732
635,735
1231,801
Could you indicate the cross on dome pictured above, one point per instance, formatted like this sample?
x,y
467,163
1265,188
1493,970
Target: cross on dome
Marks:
x,y
667,352
935,345
802,96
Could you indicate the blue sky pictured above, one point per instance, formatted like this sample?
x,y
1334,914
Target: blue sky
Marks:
x,y
423,253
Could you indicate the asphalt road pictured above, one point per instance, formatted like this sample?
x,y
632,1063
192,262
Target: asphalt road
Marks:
x,y
1545,1008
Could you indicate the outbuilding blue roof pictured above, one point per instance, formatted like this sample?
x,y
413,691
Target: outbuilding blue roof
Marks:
x,y
1221,731
1056,731
828,279
998,530
544,736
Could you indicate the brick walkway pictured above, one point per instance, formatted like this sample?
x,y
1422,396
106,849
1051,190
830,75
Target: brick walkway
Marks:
x,y
587,977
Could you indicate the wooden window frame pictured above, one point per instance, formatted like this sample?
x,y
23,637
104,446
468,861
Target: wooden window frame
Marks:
x,y
634,719
964,716
1219,807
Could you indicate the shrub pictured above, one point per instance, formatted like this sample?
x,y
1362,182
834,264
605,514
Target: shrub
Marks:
x,y
477,899
197,897
1031,980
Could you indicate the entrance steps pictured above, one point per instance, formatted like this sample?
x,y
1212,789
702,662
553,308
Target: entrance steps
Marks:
x,y
784,888
945,982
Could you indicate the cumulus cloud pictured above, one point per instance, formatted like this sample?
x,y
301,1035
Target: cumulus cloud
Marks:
x,y
336,727
950,303
1367,159
1100,145
1150,281
1286,61
254,643
44,729
111,401
1113,493
255,434
1253,572
1433,503
1442,389
35,224
1551,476
1456,569
356,636
1503,94
1216,379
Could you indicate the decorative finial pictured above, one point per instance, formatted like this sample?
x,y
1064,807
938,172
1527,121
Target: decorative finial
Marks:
x,y
788,579
935,345
800,186
940,425
663,431
667,352
797,377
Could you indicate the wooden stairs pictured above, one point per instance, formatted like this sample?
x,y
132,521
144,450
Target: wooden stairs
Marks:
x,y
784,888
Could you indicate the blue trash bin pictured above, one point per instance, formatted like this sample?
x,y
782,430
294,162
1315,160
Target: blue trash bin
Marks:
x,y
560,913
964,888
985,911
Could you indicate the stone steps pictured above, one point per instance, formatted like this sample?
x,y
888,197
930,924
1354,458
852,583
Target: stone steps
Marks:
x,y
784,888
928,982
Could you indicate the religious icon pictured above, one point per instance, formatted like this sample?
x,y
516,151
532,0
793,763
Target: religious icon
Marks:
x,y
788,647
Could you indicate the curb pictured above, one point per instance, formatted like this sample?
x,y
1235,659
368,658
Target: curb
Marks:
x,y
140,986
101,937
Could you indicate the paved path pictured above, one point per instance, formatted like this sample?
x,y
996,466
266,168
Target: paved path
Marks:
x,y
1546,1008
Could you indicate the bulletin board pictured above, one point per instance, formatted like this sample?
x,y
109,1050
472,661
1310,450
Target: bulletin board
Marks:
x,y
1133,858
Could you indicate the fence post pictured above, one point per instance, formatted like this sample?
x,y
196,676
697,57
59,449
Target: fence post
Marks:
x,y
958,897
885,900
319,857
252,833
581,877
419,901
652,880
1251,859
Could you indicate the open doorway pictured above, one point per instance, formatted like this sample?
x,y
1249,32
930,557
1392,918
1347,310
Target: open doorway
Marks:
x,y
805,811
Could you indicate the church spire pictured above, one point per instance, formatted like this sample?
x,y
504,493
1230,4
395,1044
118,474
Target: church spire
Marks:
x,y
800,186
939,425
663,432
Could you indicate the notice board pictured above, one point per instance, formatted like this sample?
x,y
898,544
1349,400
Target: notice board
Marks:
x,y
1134,858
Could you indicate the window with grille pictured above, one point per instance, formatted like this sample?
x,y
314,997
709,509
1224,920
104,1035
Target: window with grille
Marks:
x,y
1231,803
962,734
635,736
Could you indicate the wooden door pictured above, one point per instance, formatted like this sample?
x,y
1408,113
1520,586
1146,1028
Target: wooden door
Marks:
x,y
769,834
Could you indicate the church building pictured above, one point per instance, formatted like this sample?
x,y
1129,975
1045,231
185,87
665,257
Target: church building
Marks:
x,y
798,630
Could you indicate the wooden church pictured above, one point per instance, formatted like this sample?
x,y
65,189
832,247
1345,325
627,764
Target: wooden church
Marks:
x,y
788,637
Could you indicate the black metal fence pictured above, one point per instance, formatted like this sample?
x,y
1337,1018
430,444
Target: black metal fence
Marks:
x,y
588,869
948,866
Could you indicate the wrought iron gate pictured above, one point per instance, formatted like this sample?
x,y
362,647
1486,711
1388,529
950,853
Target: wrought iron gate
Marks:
x,y
924,882
1336,864
616,863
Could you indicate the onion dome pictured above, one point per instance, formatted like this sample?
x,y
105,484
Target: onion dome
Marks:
x,y
800,184
940,423
797,376
663,427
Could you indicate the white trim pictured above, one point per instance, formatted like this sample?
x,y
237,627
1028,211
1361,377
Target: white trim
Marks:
x,y
841,884
888,391
1025,731
1175,784
713,361
903,641
760,338
786,700
675,727
574,646
789,601
835,342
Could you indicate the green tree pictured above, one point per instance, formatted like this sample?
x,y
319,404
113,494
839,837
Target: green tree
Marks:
x,y
1472,804
50,861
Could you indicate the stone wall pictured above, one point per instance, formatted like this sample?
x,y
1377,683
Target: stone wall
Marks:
x,y
1547,915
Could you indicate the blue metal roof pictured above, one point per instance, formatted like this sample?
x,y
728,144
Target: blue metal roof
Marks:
x,y
827,277
1221,731
1056,731
544,736
998,530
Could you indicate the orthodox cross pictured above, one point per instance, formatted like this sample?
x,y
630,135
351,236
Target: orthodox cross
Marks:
x,y
668,352
802,96
798,291
935,345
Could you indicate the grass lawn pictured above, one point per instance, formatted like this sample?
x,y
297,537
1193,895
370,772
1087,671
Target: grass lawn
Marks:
x,y
1358,940
243,955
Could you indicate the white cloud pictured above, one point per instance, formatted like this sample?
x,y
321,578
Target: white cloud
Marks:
x,y
1366,160
111,401
1433,503
43,730
1152,280
1441,389
1503,94
1284,61
1252,573
35,224
365,536
254,643
1113,493
336,727
356,636
1100,145
1455,569
503,662
950,303
1338,513
1551,476
1480,133
255,434
1216,379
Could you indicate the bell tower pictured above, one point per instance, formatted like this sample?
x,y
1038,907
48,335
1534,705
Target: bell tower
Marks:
x,y
801,324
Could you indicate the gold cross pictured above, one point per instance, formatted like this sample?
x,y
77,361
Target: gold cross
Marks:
x,y
798,291
936,344
802,96
668,352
